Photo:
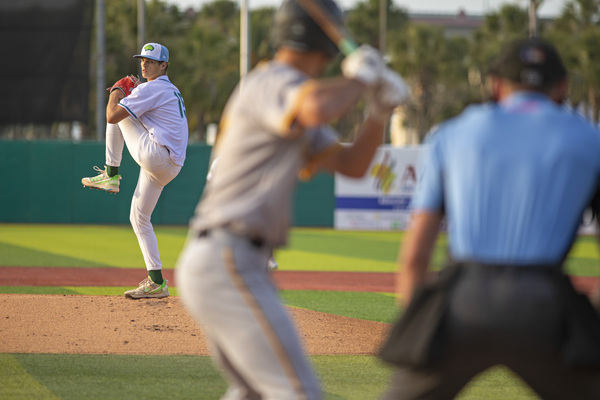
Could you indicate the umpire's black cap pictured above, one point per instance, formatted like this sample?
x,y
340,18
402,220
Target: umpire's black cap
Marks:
x,y
532,62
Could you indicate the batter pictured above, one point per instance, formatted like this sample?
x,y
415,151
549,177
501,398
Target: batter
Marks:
x,y
274,128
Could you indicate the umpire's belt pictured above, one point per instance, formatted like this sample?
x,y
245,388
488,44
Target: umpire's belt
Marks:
x,y
254,241
520,269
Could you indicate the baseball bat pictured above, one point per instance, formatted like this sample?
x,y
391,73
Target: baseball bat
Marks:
x,y
336,32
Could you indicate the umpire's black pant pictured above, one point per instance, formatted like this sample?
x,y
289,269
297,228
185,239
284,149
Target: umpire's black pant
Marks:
x,y
501,315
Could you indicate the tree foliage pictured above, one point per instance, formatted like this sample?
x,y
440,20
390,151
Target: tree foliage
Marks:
x,y
363,21
577,34
204,48
435,67
508,23
445,73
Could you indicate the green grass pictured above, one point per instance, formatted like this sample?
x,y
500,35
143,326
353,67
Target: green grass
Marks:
x,y
82,245
308,250
75,377
495,384
378,307
584,257
67,376
60,376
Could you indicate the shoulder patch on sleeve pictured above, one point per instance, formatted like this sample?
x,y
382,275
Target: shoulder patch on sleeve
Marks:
x,y
309,169
287,122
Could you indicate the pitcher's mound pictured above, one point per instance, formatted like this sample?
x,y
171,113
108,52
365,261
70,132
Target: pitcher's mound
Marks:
x,y
116,325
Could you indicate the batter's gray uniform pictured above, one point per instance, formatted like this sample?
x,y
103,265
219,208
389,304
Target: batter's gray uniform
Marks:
x,y
245,212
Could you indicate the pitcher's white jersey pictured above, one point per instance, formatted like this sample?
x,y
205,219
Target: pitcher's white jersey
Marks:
x,y
158,105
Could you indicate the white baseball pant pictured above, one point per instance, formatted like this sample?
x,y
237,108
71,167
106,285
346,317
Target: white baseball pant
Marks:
x,y
156,170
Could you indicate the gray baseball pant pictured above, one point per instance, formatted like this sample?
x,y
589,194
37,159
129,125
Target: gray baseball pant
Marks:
x,y
224,283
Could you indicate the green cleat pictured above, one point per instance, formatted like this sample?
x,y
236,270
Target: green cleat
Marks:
x,y
149,290
102,181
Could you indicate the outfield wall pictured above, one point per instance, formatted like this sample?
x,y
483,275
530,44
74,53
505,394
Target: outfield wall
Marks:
x,y
41,183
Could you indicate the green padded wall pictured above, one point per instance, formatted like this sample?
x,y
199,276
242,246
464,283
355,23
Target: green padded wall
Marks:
x,y
42,184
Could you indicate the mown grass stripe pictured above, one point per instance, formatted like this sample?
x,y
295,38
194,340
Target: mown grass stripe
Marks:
x,y
16,383
73,377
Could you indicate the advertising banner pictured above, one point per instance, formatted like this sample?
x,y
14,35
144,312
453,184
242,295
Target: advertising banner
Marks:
x,y
381,199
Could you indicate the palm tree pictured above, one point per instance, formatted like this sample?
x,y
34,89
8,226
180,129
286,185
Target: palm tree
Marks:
x,y
576,33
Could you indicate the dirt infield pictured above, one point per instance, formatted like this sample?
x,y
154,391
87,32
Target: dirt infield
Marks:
x,y
115,325
285,280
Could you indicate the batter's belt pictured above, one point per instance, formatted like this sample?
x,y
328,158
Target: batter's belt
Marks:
x,y
257,242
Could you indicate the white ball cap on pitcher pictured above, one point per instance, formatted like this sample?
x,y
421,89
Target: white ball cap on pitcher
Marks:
x,y
154,51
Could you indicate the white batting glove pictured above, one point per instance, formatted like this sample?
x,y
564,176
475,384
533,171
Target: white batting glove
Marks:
x,y
365,64
390,92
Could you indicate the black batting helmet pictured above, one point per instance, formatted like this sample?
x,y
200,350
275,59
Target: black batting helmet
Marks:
x,y
294,28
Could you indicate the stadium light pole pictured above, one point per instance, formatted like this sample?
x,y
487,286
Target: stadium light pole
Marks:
x,y
533,17
141,31
382,50
382,26
100,70
244,39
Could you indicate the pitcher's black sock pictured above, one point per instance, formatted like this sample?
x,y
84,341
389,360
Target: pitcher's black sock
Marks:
x,y
112,171
156,276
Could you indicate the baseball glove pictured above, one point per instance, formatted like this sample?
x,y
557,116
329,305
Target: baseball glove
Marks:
x,y
125,85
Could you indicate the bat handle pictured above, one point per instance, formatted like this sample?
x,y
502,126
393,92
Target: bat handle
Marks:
x,y
347,46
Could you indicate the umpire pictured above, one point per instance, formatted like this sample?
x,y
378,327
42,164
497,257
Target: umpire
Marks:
x,y
513,178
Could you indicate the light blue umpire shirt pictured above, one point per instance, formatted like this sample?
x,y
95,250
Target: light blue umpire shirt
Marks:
x,y
513,178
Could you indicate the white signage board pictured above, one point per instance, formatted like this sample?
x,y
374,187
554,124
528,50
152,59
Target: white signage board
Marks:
x,y
381,199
